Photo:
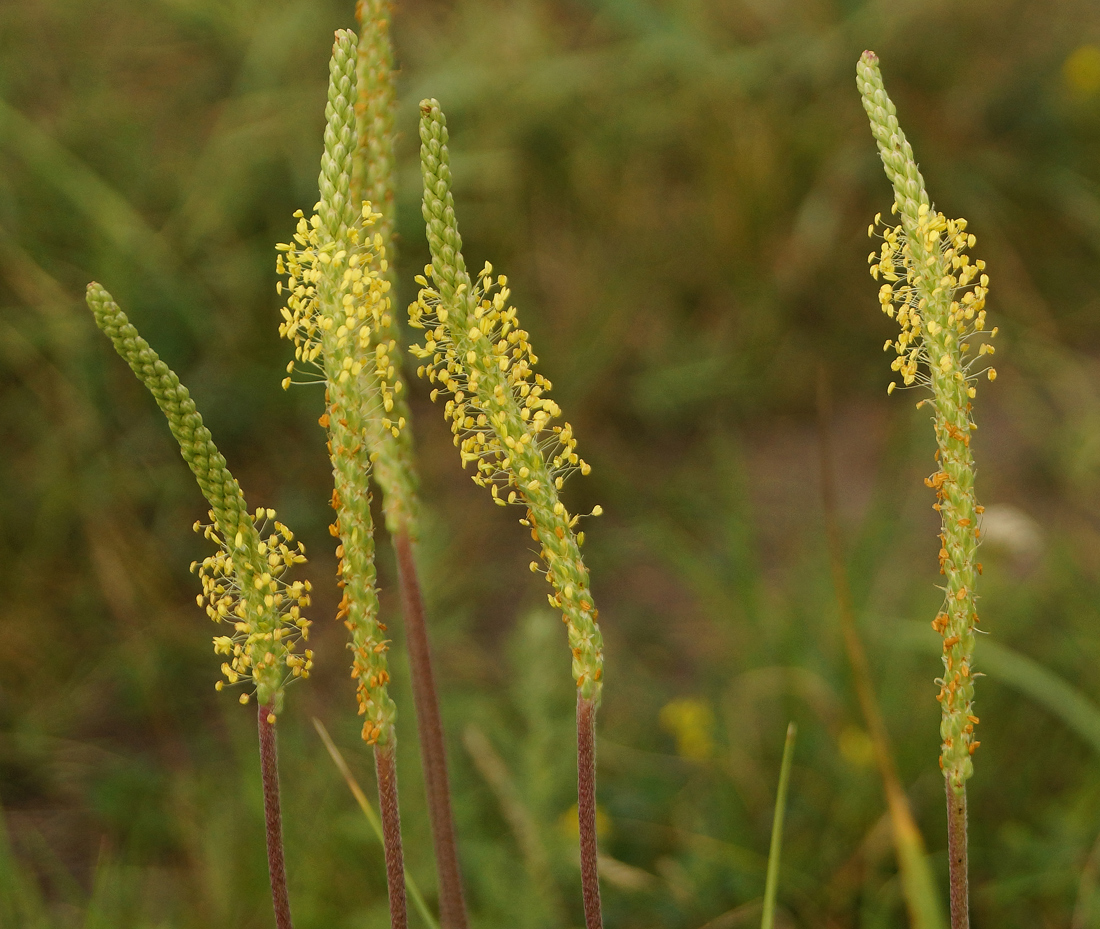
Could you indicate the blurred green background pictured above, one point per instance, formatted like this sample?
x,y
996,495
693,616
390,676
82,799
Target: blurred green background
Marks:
x,y
679,191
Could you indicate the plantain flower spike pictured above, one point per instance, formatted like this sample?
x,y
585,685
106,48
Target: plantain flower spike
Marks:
x,y
372,179
244,584
476,354
337,305
937,293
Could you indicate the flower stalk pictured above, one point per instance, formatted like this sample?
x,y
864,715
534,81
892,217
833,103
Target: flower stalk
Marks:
x,y
937,294
243,583
273,817
501,416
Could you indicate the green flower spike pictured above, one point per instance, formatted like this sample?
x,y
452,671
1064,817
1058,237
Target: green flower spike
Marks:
x,y
372,180
499,408
244,583
337,302
937,294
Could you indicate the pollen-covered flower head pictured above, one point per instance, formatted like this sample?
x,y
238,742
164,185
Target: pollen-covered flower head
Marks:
x,y
244,585
937,295
496,353
338,316
337,303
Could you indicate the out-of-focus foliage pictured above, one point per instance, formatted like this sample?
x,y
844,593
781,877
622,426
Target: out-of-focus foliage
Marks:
x,y
679,192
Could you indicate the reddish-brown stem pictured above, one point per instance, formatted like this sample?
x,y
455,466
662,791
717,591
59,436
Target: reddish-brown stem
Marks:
x,y
273,819
433,753
956,853
385,767
586,811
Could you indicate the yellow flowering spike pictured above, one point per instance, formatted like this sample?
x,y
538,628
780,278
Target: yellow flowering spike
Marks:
x,y
337,304
244,583
937,294
372,178
252,595
476,354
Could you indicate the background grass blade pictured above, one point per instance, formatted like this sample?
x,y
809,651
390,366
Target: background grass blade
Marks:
x,y
771,886
372,817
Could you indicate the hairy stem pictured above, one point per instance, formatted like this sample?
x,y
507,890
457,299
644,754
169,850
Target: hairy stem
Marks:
x,y
385,767
956,851
276,863
586,810
452,906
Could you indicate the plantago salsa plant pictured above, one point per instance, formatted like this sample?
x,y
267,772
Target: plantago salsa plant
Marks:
x,y
338,284
937,295
244,584
501,414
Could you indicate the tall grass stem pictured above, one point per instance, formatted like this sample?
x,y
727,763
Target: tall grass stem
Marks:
x,y
501,417
937,294
775,851
385,767
957,854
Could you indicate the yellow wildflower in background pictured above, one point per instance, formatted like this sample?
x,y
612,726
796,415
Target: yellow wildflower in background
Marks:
x,y
1081,71
691,723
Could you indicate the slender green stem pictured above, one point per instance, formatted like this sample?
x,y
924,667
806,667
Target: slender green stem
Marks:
x,y
771,884
273,820
586,811
957,859
385,767
452,906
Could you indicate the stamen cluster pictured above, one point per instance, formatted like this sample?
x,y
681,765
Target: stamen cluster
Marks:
x,y
497,356
243,584
338,301
936,323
